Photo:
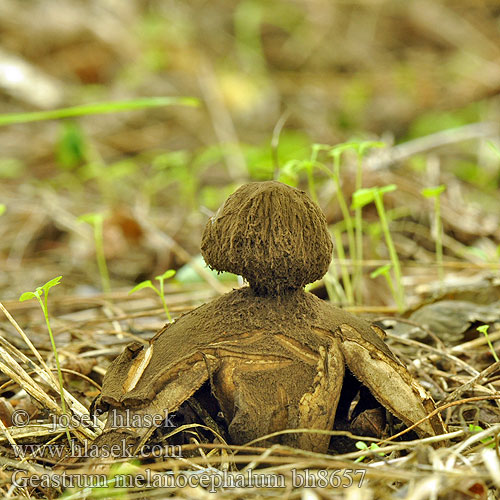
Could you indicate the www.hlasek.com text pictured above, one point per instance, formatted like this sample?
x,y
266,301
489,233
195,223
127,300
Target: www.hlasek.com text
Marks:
x,y
121,449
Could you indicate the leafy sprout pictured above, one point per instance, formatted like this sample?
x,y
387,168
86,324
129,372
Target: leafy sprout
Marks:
x,y
361,445
360,147
484,330
385,271
160,292
365,196
489,441
435,192
3,208
96,221
37,294
336,153
339,247
354,228
355,242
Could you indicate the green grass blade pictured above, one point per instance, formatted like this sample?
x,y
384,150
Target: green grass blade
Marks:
x,y
96,109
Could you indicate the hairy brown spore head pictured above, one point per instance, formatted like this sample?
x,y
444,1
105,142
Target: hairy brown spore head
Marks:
x,y
271,234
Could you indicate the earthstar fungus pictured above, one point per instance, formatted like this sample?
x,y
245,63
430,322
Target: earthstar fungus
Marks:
x,y
275,357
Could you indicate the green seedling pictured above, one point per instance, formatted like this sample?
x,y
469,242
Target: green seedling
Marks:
x,y
435,193
288,173
114,484
488,441
311,164
355,241
190,272
360,148
344,271
160,292
365,196
484,330
479,253
354,229
96,221
3,208
385,271
37,294
334,290
361,445
292,167
71,149
336,153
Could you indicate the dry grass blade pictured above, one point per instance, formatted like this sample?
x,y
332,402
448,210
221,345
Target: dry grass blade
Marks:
x,y
10,439
29,343
75,405
19,375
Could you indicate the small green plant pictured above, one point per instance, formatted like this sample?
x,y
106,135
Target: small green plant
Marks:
x,y
360,147
336,153
488,441
435,193
3,208
310,165
96,221
484,330
334,289
354,228
361,445
160,292
288,173
365,196
71,149
385,271
37,294
344,271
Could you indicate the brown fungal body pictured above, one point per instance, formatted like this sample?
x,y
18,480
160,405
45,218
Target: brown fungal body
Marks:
x,y
271,234
275,357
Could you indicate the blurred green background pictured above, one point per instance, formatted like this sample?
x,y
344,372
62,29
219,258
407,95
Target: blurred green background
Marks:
x,y
273,78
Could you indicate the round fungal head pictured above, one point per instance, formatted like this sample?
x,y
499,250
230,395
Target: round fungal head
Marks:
x,y
271,234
